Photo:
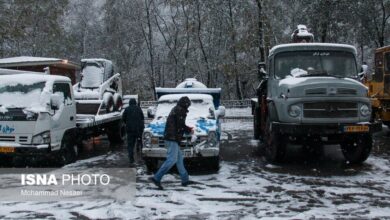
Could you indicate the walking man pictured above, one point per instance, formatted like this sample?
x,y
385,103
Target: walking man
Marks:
x,y
174,131
134,119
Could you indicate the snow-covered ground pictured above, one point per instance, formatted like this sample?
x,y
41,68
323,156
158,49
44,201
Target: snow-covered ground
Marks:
x,y
246,187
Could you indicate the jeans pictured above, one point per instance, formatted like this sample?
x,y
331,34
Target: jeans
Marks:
x,y
130,146
174,156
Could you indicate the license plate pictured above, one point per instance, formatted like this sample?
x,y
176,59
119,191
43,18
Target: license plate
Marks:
x,y
187,153
7,149
356,128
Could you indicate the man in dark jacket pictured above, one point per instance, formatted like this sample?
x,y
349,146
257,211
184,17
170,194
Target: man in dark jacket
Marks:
x,y
174,131
134,119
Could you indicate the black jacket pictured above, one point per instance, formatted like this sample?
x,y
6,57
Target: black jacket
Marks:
x,y
134,119
175,126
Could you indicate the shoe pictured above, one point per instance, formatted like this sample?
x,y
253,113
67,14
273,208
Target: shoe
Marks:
x,y
131,165
189,182
158,184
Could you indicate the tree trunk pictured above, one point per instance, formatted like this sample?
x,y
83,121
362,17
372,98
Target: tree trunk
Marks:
x,y
208,82
234,52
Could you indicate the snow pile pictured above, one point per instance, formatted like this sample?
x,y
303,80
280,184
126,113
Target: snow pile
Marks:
x,y
191,83
85,94
92,76
23,59
200,106
200,113
3,109
296,72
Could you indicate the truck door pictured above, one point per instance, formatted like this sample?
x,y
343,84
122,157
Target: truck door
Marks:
x,y
64,118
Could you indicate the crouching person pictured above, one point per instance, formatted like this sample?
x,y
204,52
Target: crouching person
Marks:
x,y
134,119
174,131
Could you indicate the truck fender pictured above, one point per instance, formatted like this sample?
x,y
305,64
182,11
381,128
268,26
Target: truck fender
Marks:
x,y
272,111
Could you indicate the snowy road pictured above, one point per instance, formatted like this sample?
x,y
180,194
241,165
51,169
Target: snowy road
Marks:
x,y
246,187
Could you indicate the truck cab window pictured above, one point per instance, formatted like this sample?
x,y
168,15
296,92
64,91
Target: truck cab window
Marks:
x,y
64,89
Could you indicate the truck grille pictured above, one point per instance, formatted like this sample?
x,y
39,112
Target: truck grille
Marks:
x,y
7,138
330,110
23,139
185,143
323,91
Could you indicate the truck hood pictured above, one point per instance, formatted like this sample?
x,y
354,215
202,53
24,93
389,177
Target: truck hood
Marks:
x,y
320,86
202,126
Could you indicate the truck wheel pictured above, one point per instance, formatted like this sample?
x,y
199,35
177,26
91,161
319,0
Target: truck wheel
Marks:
x,y
108,100
69,151
116,133
357,148
118,102
256,125
275,145
151,164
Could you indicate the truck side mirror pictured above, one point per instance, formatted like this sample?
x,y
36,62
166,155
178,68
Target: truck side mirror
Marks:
x,y
221,111
150,112
55,102
262,70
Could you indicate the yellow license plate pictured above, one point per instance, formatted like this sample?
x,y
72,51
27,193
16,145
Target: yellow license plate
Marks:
x,y
356,128
7,149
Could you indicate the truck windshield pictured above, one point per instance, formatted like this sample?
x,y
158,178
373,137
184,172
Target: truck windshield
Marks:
x,y
315,63
198,109
20,95
92,76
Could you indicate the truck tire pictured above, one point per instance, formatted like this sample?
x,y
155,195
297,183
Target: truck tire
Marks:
x,y
118,102
68,151
116,133
275,145
357,148
151,164
256,124
108,100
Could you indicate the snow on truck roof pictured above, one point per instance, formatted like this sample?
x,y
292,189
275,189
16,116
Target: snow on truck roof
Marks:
x,y
22,59
191,83
311,46
36,61
30,78
175,97
96,60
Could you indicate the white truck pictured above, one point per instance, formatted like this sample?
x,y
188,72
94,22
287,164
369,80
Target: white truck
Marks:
x,y
38,116
204,115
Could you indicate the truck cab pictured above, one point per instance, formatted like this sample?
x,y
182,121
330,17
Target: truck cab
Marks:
x,y
311,96
379,85
204,115
37,115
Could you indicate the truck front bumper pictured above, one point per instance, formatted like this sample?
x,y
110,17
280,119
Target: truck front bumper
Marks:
x,y
190,153
326,129
14,149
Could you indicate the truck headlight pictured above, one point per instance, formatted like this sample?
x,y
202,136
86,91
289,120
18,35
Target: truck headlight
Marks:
x,y
147,139
294,111
365,110
42,138
212,139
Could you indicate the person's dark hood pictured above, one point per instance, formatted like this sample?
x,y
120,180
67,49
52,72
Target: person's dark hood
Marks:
x,y
132,101
184,102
